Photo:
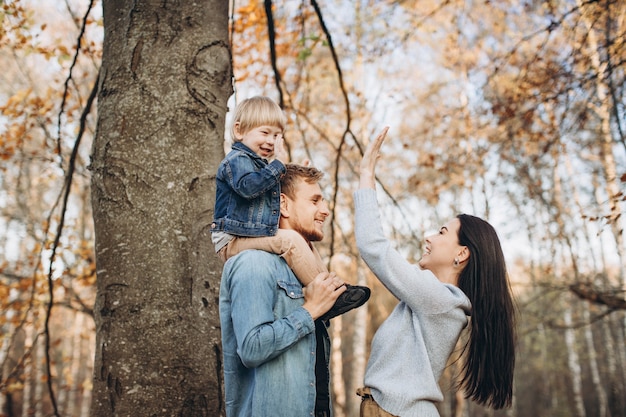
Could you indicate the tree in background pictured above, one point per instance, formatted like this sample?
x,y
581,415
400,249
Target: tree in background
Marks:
x,y
164,84
48,269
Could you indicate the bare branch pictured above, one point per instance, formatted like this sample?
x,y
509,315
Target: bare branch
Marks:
x,y
66,193
347,130
69,78
590,293
271,31
554,325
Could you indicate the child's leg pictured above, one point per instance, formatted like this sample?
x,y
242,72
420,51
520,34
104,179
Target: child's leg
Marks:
x,y
304,261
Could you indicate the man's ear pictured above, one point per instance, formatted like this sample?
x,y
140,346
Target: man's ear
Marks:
x,y
284,205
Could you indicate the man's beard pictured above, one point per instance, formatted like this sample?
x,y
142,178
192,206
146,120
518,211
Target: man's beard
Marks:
x,y
310,235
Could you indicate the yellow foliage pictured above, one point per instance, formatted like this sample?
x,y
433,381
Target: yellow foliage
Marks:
x,y
15,387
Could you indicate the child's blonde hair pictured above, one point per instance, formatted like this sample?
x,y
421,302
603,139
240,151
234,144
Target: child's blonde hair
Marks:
x,y
257,111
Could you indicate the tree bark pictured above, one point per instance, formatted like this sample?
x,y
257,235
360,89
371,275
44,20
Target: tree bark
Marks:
x,y
573,363
164,84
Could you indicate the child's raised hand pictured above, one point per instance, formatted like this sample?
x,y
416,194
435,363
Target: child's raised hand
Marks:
x,y
280,152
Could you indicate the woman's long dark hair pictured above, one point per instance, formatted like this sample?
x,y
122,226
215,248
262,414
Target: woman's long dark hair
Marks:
x,y
487,374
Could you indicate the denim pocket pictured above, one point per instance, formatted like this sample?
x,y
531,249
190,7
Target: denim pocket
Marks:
x,y
292,289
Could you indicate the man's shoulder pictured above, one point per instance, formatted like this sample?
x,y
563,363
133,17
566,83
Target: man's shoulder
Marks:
x,y
257,266
259,254
255,260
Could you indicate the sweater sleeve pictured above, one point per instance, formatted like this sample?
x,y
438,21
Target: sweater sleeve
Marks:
x,y
419,289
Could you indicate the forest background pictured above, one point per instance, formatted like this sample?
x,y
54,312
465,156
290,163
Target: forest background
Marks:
x,y
510,110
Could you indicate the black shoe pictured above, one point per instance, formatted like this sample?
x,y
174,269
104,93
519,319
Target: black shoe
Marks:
x,y
354,296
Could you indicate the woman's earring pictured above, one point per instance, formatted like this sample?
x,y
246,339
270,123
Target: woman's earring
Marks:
x,y
456,261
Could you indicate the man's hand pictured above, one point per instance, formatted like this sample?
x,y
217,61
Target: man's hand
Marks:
x,y
321,293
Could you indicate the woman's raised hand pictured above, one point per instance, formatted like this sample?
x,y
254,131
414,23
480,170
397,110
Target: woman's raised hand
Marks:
x,y
370,157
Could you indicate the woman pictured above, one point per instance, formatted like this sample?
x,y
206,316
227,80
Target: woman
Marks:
x,y
461,278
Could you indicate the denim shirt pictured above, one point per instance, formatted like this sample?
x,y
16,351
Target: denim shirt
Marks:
x,y
268,339
247,196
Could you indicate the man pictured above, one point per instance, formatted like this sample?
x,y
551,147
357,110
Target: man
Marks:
x,y
276,352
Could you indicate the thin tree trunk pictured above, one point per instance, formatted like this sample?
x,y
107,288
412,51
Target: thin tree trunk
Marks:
x,y
5,343
573,363
27,392
65,365
359,349
597,263
40,383
593,363
76,360
613,189
86,384
339,392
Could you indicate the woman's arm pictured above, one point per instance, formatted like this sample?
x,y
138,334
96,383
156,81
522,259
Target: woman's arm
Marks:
x,y
419,289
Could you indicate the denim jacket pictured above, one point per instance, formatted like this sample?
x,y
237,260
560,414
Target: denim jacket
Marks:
x,y
247,196
268,339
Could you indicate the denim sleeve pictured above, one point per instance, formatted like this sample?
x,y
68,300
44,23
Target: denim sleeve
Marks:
x,y
247,180
267,318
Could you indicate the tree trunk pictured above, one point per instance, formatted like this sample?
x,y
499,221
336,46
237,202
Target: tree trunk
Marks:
x,y
593,363
164,85
359,347
610,169
573,363
75,360
337,375
29,370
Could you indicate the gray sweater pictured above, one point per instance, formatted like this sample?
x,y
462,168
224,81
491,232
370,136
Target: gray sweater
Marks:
x,y
411,348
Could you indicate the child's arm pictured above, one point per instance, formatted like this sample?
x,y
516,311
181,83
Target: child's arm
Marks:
x,y
247,180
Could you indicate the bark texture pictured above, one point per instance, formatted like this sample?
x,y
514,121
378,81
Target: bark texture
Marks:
x,y
164,85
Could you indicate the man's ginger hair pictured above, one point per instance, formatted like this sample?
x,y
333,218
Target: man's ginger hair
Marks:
x,y
294,173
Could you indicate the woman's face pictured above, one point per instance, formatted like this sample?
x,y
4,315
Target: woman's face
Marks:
x,y
441,248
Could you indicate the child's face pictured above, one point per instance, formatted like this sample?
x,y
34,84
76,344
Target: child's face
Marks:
x,y
261,139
